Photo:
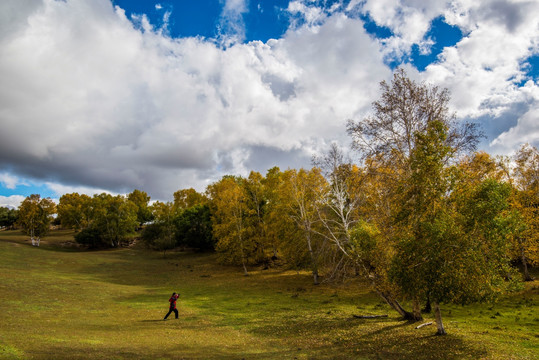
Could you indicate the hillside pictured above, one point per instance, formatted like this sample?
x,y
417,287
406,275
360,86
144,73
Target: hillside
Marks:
x,y
59,302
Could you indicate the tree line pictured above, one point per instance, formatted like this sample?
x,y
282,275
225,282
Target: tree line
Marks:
x,y
421,215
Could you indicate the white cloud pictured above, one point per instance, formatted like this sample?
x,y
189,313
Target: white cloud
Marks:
x,y
484,70
409,20
526,130
9,181
231,25
61,189
12,201
88,99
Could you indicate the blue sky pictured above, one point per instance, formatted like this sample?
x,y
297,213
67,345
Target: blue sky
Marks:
x,y
113,95
263,20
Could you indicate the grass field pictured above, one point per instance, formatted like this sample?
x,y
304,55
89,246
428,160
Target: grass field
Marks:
x,y
60,303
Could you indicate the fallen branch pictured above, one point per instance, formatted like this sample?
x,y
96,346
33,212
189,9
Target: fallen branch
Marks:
x,y
369,316
425,324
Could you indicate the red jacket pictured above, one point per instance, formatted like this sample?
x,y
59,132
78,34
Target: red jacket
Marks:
x,y
172,301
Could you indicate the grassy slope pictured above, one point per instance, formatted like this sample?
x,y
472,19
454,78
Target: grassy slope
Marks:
x,y
56,303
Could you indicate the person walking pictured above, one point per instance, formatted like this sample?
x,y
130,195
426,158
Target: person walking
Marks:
x,y
172,306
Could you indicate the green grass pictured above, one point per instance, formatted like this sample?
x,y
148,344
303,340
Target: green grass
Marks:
x,y
57,302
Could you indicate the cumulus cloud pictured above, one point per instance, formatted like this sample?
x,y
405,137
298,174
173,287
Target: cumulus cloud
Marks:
x,y
12,202
526,129
92,99
485,69
89,99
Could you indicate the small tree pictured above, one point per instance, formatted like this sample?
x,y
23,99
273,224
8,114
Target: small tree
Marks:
x,y
35,216
8,217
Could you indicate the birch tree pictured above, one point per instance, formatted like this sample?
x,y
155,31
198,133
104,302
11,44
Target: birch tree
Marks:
x,y
386,141
526,202
301,192
35,216
230,227
75,211
451,243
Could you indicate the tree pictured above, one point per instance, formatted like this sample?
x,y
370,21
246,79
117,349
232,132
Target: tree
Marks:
x,y
300,195
141,200
405,118
355,195
75,211
451,241
110,220
8,217
405,109
275,227
117,216
35,216
230,226
160,235
526,201
256,208
193,228
340,202
187,198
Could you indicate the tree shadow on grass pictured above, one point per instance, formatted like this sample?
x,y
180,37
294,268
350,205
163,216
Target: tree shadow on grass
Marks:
x,y
375,339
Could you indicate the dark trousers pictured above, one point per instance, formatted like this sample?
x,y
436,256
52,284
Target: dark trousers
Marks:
x,y
170,311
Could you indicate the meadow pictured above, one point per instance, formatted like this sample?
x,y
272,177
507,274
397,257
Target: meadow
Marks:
x,y
61,302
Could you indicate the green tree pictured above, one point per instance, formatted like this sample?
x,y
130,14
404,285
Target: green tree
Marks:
x,y
141,200
388,143
75,211
90,236
116,216
8,217
451,246
111,220
35,216
193,228
160,235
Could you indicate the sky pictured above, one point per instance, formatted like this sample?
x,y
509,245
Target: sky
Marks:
x,y
111,96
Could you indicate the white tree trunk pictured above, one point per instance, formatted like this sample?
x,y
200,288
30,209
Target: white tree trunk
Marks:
x,y
439,323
